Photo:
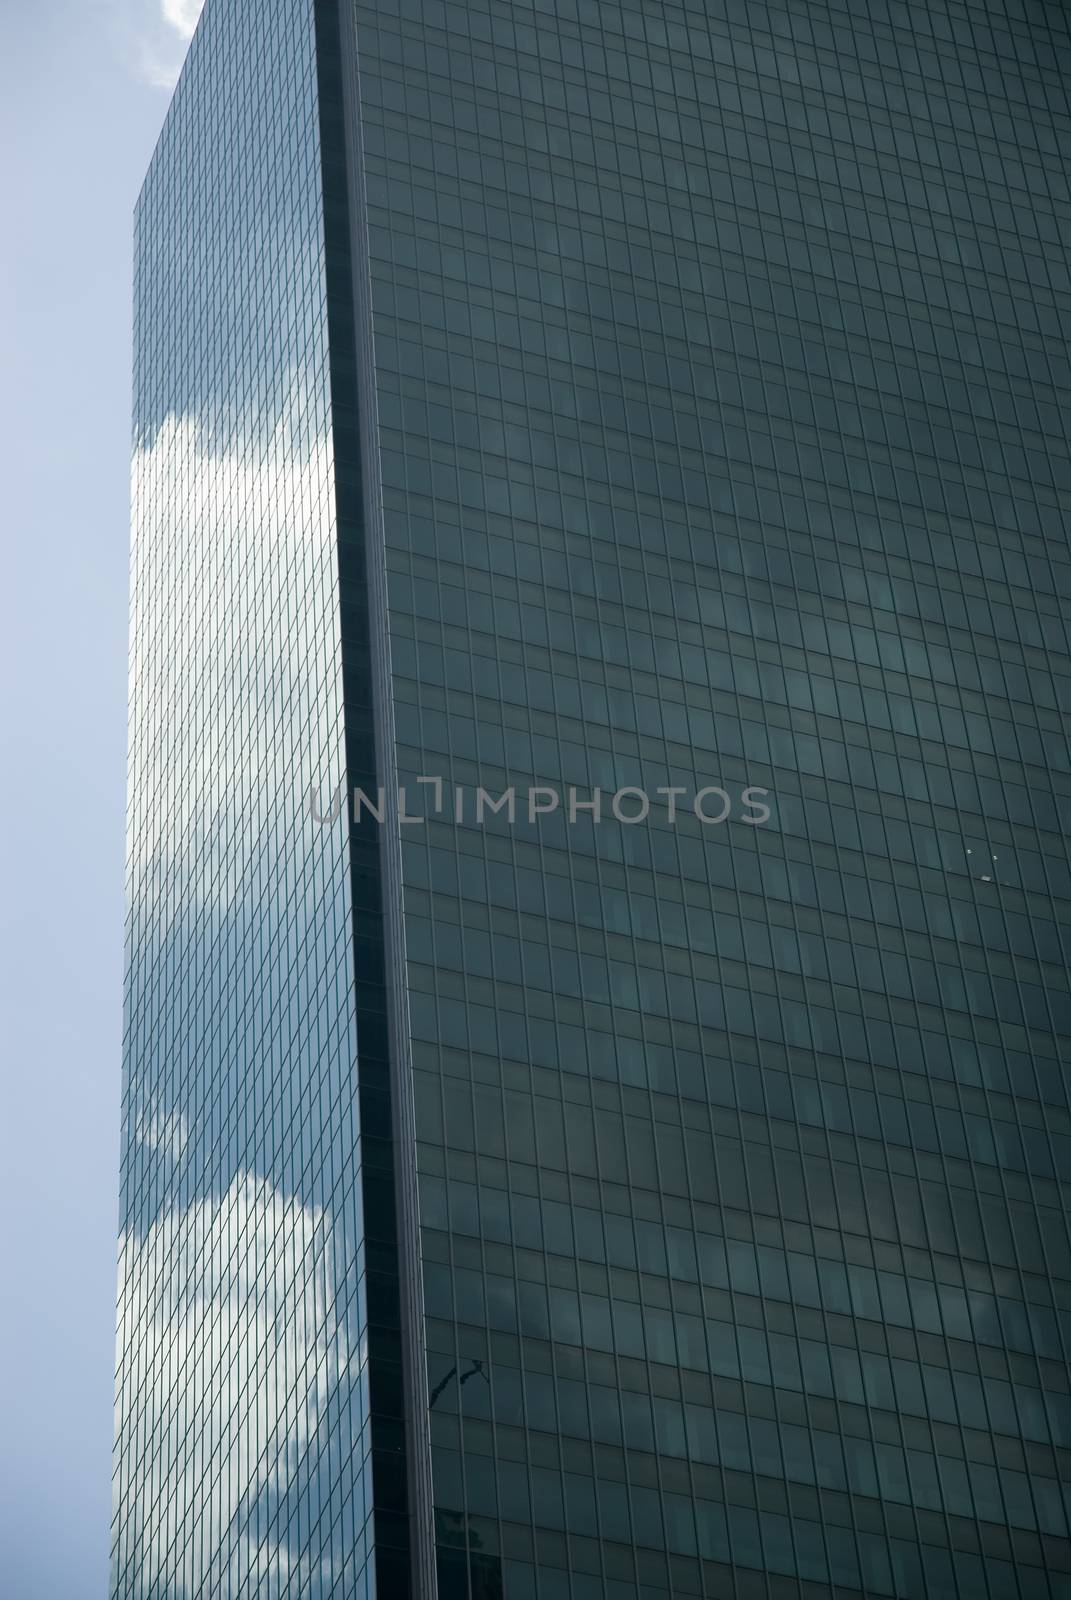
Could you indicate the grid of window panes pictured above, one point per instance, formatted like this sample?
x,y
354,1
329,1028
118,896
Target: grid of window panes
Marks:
x,y
241,1441
721,373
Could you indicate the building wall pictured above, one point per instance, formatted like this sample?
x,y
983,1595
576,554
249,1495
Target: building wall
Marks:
x,y
242,1383
720,357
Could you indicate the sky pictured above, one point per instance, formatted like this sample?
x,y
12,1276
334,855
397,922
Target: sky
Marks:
x,y
84,85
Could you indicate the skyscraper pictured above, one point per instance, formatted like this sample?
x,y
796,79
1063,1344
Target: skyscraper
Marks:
x,y
600,394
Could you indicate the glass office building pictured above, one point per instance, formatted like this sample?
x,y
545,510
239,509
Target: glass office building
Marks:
x,y
601,394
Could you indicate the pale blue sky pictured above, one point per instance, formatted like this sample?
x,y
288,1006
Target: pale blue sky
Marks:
x,y
83,89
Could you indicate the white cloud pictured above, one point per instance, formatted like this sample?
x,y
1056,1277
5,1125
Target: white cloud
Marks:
x,y
231,1344
182,15
225,537
164,1132
152,35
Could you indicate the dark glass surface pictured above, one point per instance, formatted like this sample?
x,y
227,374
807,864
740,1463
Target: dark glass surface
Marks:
x,y
721,356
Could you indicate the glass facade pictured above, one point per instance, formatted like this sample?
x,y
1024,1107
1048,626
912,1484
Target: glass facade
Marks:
x,y
242,1392
599,394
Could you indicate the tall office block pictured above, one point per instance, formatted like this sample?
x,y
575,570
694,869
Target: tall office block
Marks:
x,y
571,395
